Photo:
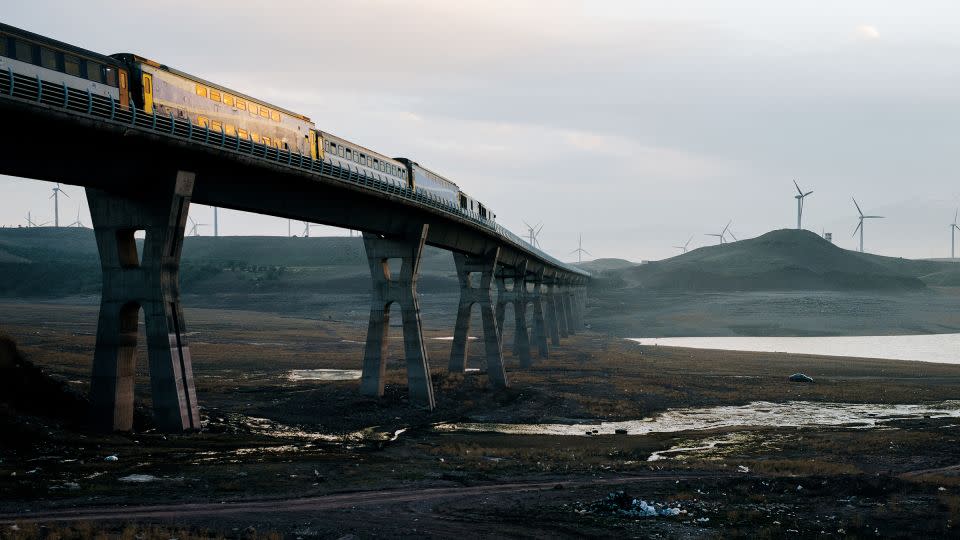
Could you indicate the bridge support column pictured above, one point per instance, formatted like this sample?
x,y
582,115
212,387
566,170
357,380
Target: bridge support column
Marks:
x,y
570,295
469,295
563,321
553,313
518,296
152,283
539,330
401,290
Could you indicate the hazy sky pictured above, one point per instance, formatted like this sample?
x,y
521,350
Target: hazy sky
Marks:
x,y
637,123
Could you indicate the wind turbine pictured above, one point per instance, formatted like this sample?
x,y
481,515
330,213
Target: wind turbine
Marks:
x,y
56,203
580,251
306,229
77,223
195,229
32,223
723,234
799,197
533,232
684,247
860,225
953,230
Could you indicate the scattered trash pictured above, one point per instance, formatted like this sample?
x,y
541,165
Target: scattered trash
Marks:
x,y
619,503
743,469
111,458
800,377
941,488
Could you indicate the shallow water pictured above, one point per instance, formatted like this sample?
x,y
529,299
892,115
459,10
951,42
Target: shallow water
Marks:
x,y
324,374
799,414
940,348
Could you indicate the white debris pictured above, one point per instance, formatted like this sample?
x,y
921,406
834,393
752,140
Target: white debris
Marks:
x,y
111,458
138,478
703,519
941,488
743,469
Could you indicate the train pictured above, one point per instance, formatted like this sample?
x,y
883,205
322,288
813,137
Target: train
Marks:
x,y
133,80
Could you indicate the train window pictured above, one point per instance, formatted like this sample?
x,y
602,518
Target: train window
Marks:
x,y
110,75
275,116
94,71
216,126
71,65
123,79
266,141
201,90
48,58
240,104
242,133
264,112
215,95
3,45
203,121
228,100
230,130
253,109
23,51
341,151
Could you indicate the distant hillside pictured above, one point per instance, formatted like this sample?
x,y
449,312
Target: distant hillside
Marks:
x,y
602,265
779,260
53,262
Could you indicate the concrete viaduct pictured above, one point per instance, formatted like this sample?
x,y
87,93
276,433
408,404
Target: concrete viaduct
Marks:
x,y
141,172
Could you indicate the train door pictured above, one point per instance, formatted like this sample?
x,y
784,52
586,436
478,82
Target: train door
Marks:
x,y
148,93
124,89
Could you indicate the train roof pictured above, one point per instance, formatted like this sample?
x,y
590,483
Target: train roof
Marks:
x,y
14,31
327,134
438,175
164,67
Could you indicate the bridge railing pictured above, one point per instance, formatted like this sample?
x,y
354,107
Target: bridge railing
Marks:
x,y
34,89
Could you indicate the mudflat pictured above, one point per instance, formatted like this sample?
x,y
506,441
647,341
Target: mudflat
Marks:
x,y
308,458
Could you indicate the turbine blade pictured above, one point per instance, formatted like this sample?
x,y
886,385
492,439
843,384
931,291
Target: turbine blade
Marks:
x,y
858,206
808,193
858,228
872,217
65,194
800,191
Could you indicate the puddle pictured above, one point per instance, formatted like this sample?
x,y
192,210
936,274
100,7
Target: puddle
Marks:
x,y
798,414
324,374
450,338
713,447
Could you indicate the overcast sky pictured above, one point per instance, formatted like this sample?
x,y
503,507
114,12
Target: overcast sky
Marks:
x,y
636,123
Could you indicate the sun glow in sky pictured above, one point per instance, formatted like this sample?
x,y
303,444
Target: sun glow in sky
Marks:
x,y
635,123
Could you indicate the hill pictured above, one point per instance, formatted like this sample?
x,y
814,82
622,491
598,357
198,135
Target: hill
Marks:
x,y
779,260
56,262
602,265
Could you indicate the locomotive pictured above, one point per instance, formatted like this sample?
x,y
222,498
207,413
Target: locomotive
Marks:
x,y
155,88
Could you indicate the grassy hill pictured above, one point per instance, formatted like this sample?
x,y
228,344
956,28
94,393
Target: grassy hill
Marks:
x,y
602,265
780,260
55,262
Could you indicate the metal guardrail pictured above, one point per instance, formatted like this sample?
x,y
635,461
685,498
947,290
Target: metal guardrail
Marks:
x,y
36,90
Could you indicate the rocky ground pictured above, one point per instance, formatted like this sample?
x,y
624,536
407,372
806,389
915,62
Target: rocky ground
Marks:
x,y
302,458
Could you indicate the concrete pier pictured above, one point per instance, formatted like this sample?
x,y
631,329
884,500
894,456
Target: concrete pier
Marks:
x,y
553,313
469,295
570,310
560,299
518,296
150,282
402,290
539,328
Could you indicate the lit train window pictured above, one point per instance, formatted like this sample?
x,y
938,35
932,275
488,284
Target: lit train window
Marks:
x,y
242,133
94,71
264,112
71,65
201,90
253,109
275,116
266,141
228,100
203,121
23,51
123,79
110,75
48,58
215,95
240,104
216,126
230,130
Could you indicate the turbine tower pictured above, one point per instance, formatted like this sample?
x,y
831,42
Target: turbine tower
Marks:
x,y
78,224
32,223
683,248
216,222
799,197
953,231
860,225
533,231
306,229
56,203
580,251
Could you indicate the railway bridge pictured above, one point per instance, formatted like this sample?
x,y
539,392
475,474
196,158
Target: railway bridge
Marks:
x,y
141,172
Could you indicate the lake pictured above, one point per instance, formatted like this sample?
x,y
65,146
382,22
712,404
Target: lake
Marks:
x,y
940,348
